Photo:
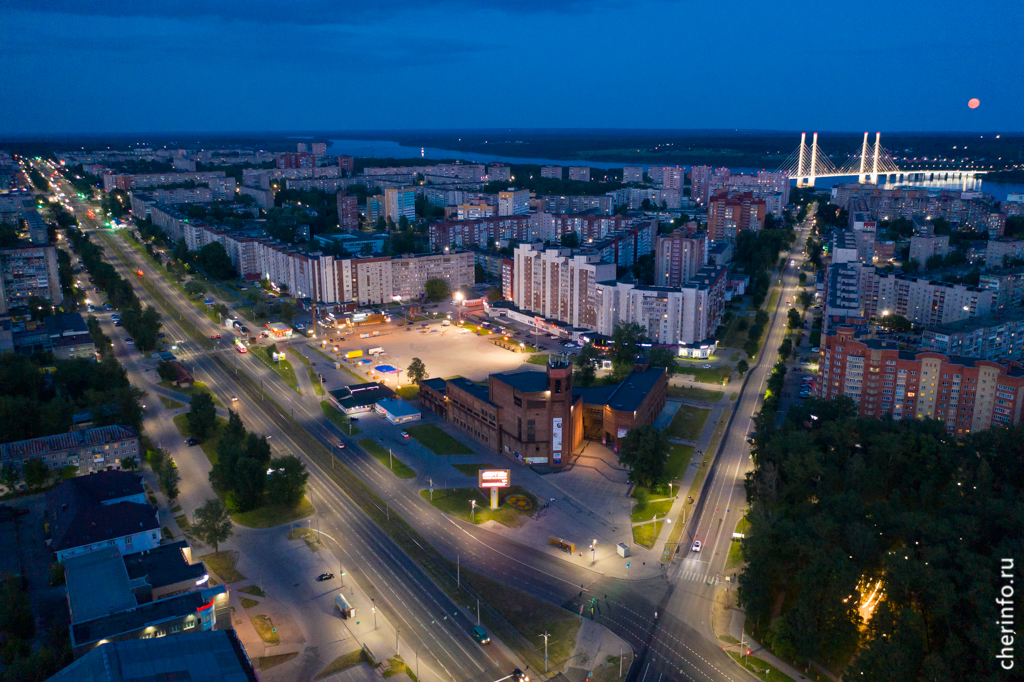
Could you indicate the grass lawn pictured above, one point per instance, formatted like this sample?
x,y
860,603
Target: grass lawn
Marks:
x,y
538,359
456,501
273,515
736,334
223,564
411,392
715,375
773,300
265,627
249,603
267,662
197,387
437,441
209,445
170,404
344,662
647,534
338,418
699,394
530,616
253,590
758,667
282,368
392,463
678,460
702,469
648,511
688,423
736,548
308,536
313,378
470,469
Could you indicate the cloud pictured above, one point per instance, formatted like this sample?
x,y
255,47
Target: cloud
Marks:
x,y
304,12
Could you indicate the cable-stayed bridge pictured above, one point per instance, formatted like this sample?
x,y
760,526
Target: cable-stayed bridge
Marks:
x,y
869,163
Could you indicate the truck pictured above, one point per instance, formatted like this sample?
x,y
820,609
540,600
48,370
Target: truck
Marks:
x,y
375,351
354,354
343,606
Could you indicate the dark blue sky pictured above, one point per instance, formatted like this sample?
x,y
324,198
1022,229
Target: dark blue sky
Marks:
x,y
72,66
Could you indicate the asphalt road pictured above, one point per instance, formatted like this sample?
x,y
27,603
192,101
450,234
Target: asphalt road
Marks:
x,y
678,644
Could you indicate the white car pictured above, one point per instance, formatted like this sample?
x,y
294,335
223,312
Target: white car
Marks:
x,y
696,546
129,342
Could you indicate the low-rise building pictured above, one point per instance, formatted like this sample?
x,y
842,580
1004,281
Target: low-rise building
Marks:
x,y
87,451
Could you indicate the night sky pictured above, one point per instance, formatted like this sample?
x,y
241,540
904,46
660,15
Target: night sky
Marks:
x,y
88,66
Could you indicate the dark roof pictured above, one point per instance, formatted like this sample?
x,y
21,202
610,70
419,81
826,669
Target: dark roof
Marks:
x,y
361,395
104,486
437,383
597,395
525,382
69,323
477,391
630,394
209,656
153,612
46,445
78,514
163,565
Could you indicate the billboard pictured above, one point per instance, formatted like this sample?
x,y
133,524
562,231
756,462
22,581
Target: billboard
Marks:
x,y
622,433
556,434
495,478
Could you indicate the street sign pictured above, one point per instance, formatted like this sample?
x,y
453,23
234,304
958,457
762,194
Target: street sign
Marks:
x,y
495,478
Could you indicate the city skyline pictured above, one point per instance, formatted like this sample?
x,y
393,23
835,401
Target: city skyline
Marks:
x,y
80,68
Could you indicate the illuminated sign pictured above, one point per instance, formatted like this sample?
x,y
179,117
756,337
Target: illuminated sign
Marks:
x,y
556,434
622,433
495,478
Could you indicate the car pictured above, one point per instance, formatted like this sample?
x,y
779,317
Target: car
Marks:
x,y
519,676
480,635
129,342
816,349
234,398
117,323
696,546
264,335
707,366
353,419
191,441
324,576
214,336
340,446
404,434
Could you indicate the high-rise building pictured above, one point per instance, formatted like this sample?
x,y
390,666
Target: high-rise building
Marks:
x,y
347,164
348,211
678,257
633,174
581,173
924,247
301,148
551,172
374,208
27,271
319,149
700,183
299,160
514,202
499,172
672,178
966,395
399,203
730,214
559,285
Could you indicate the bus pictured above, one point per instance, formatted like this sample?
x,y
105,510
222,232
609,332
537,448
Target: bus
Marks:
x,y
240,346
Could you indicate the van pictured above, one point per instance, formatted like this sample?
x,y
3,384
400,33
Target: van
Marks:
x,y
446,323
480,635
375,351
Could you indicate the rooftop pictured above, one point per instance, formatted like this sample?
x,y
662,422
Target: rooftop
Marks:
x,y
476,390
630,394
38,447
98,585
211,656
525,382
361,395
163,565
397,407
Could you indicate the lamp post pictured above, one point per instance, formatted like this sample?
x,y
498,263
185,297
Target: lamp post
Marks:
x,y
458,304
593,552
472,512
373,608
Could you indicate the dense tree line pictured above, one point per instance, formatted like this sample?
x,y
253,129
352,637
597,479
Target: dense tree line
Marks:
x,y
841,507
142,324
34,405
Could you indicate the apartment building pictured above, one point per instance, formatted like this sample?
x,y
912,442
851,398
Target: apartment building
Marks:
x,y
581,173
88,450
348,211
124,181
999,337
623,246
347,164
319,150
633,174
300,159
467,233
965,210
410,273
559,285
499,172
603,204
28,270
1007,288
965,394
678,256
400,203
551,172
923,247
772,187
670,177
730,213
514,202
375,208
1001,249
474,210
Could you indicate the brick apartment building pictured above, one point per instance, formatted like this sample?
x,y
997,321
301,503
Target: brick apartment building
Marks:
x,y
965,394
732,213
678,257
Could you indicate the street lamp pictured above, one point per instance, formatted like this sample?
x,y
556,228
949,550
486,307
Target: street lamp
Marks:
x,y
458,304
472,505
373,608
593,552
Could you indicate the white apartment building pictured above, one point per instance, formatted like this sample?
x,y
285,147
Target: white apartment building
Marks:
x,y
558,285
514,202
399,203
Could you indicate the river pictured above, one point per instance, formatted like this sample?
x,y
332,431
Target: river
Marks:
x,y
383,149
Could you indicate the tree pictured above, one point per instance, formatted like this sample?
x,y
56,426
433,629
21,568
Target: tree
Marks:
x,y
806,298
416,371
166,371
287,311
494,294
36,473
221,310
169,480
9,476
194,288
662,357
911,266
742,367
480,275
215,261
287,483
644,450
895,323
933,262
436,289
795,319
250,482
570,240
213,523
803,279
202,415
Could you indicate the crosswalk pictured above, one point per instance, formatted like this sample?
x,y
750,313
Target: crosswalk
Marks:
x,y
696,576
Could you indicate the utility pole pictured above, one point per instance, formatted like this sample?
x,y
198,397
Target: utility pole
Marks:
x,y
620,661
458,571
391,458
545,636
373,608
398,650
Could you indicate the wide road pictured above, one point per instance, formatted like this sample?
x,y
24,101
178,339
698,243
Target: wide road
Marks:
x,y
678,644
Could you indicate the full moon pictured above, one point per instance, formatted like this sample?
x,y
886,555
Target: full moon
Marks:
x,y
974,103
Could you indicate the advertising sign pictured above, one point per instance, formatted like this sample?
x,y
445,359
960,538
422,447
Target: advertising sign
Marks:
x,y
495,478
556,434
536,460
622,433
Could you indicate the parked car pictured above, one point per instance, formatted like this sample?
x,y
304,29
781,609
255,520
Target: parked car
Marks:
x,y
324,576
191,441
